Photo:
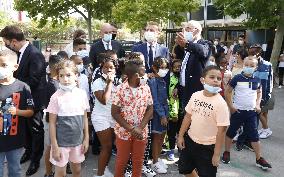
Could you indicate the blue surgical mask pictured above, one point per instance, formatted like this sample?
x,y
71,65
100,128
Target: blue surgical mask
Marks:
x,y
210,63
188,36
248,70
83,53
107,37
212,89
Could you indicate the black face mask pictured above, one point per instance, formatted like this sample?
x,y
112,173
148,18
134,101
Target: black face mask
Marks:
x,y
177,73
113,36
9,47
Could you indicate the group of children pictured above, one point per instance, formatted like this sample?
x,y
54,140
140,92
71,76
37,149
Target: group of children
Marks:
x,y
135,110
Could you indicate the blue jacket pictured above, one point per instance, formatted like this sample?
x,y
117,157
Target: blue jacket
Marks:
x,y
265,73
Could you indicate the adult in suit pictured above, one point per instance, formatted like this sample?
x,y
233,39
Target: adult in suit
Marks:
x,y
104,44
197,52
150,48
31,71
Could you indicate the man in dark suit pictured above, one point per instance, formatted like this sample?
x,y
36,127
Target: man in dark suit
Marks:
x,y
31,71
151,49
104,44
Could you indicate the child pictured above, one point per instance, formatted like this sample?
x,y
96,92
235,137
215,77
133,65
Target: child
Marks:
x,y
206,120
173,108
161,111
244,108
103,123
68,123
226,74
52,86
16,104
132,108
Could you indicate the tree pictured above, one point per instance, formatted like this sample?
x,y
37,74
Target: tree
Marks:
x,y
4,20
60,10
136,13
262,14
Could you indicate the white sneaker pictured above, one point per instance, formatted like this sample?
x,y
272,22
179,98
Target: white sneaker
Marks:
x,y
265,134
260,131
128,174
107,172
158,168
147,171
162,163
280,86
236,137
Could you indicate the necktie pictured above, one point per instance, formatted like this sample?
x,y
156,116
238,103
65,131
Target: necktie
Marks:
x,y
107,46
150,57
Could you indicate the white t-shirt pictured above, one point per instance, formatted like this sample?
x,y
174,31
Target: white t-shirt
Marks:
x,y
84,84
99,108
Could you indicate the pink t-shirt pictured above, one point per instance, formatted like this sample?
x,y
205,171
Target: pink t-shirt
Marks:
x,y
207,113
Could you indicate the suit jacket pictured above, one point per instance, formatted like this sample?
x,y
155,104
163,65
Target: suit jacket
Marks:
x,y
32,71
160,51
98,48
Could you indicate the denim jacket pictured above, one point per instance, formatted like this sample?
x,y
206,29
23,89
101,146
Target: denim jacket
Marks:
x,y
158,88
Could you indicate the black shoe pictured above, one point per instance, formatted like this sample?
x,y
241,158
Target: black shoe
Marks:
x,y
33,168
248,146
239,147
25,157
226,157
95,151
68,169
262,163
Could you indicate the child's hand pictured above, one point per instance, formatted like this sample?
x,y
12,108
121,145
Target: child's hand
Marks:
x,y
180,143
150,75
85,146
233,110
164,121
215,160
258,109
56,154
175,93
137,133
12,110
110,77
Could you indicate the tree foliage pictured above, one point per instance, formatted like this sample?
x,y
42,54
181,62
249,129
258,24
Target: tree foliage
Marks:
x,y
136,13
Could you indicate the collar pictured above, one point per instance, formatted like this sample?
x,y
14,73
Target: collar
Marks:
x,y
105,43
22,50
153,45
126,85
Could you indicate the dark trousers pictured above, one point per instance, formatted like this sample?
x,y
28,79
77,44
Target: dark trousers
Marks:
x,y
35,136
172,132
281,74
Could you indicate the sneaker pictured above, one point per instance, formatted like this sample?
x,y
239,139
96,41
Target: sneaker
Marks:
x,y
248,146
236,137
162,163
260,131
176,163
226,157
158,168
280,86
107,172
147,171
262,163
171,155
113,152
128,173
239,147
265,134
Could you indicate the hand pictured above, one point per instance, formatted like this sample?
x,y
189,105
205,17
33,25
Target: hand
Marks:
x,y
175,93
233,110
258,109
180,142
215,160
150,75
137,133
110,77
85,146
12,110
56,154
164,121
180,40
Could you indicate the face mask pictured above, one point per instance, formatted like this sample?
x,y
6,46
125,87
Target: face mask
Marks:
x,y
188,36
210,63
4,73
212,89
67,88
80,68
83,53
107,37
9,47
248,70
241,42
163,72
150,36
176,73
113,36
216,42
143,80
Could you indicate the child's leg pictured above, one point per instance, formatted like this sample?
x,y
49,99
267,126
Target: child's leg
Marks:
x,y
264,119
60,171
122,157
161,142
48,165
76,169
14,167
256,148
106,138
157,144
138,149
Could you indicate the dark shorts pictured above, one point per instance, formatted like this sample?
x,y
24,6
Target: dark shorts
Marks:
x,y
249,121
197,156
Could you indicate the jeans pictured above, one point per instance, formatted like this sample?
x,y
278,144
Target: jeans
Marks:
x,y
13,158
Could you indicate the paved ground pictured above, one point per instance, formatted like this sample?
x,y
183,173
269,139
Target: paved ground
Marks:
x,y
242,163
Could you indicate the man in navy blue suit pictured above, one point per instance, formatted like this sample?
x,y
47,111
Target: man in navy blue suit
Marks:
x,y
151,49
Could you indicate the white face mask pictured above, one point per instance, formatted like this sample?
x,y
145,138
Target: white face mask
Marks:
x,y
188,36
143,80
150,36
67,88
83,53
241,42
80,68
216,42
4,73
163,72
107,37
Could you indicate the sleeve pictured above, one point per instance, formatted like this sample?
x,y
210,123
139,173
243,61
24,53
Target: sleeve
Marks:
x,y
86,102
158,108
116,97
53,105
222,114
29,103
97,85
200,49
189,105
233,82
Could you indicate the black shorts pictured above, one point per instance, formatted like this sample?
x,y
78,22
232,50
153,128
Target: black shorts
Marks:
x,y
197,156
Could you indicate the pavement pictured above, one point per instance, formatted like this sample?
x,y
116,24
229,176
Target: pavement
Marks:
x,y
242,163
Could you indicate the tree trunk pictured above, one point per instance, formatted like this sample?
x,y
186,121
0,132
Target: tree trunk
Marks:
x,y
89,24
278,39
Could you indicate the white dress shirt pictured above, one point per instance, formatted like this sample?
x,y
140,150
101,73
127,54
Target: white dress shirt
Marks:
x,y
107,44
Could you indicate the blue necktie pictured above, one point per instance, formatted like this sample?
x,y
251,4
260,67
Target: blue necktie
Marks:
x,y
150,57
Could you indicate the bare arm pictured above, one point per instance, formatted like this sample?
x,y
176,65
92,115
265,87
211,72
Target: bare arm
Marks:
x,y
185,124
228,97
104,95
147,116
258,99
220,138
19,112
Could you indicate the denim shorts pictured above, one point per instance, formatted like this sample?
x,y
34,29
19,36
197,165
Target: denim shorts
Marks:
x,y
157,126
